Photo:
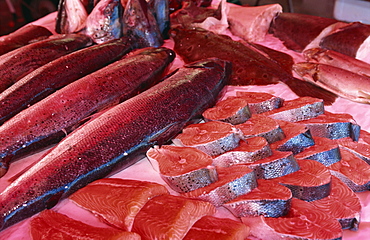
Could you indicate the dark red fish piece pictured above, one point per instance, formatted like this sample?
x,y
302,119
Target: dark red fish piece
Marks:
x,y
16,64
114,139
50,119
22,36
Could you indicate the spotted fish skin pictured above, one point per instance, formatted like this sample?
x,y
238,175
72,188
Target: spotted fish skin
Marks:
x,y
115,139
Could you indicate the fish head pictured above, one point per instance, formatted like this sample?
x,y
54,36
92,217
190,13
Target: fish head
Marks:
x,y
71,16
308,71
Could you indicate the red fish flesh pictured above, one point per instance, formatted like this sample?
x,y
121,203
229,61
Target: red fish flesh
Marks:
x,y
16,64
117,201
361,150
115,139
183,168
58,73
49,119
170,217
260,102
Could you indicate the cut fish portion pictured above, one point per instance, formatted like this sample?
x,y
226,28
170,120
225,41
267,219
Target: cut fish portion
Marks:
x,y
262,126
117,201
268,199
53,225
297,137
364,136
213,137
352,170
232,182
249,150
277,165
210,227
325,151
361,150
311,182
170,217
303,222
232,110
342,204
260,102
333,126
298,109
183,168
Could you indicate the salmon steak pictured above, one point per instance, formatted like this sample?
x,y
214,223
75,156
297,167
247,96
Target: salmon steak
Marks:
x,y
303,222
333,126
311,182
325,151
352,170
361,150
232,182
268,199
232,110
250,150
117,201
277,165
184,169
170,217
261,126
342,204
53,225
297,137
260,102
298,109
210,227
213,138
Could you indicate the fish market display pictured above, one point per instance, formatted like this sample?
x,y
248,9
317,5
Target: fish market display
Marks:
x,y
114,139
58,73
22,36
50,119
19,62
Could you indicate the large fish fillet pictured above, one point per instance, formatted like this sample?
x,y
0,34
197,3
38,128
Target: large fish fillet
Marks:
x,y
114,139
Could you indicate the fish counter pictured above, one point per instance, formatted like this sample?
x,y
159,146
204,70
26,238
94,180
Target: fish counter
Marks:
x,y
145,171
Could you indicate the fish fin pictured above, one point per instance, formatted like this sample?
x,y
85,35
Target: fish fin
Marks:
x,y
303,89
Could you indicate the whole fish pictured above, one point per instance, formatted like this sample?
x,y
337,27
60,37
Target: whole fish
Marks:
x,y
344,83
48,120
58,73
104,23
16,64
337,59
22,36
161,11
114,139
71,16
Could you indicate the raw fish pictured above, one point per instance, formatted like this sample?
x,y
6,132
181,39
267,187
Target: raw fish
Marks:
x,y
360,149
260,102
71,16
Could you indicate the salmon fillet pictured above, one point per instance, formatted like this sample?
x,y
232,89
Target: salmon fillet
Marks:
x,y
260,102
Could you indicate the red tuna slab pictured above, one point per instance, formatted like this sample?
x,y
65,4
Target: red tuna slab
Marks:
x,y
117,201
213,137
303,222
169,217
277,165
260,102
232,110
297,137
53,225
210,227
361,150
183,168
249,150
311,182
325,151
268,199
333,126
232,182
352,170
298,109
342,204
262,126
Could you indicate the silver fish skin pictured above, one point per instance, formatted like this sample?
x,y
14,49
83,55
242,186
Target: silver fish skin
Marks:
x,y
71,16
114,139
50,119
344,83
337,59
104,23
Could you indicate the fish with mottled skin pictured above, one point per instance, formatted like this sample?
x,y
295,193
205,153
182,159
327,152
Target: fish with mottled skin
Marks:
x,y
48,120
115,139
16,64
